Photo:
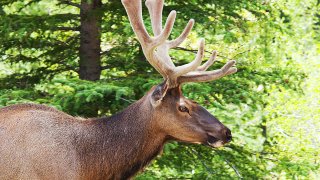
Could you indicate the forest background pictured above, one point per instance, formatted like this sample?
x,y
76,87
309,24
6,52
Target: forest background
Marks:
x,y
82,57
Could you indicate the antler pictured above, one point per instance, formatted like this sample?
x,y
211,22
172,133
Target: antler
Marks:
x,y
156,49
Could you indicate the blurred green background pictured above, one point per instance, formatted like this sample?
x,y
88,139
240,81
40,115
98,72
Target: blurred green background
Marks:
x,y
272,104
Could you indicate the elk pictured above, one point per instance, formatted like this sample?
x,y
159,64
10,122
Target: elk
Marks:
x,y
40,142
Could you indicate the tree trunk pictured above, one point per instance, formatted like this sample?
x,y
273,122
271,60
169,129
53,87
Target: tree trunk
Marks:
x,y
90,33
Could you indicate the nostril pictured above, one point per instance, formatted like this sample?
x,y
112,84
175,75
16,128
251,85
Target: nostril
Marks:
x,y
228,135
229,138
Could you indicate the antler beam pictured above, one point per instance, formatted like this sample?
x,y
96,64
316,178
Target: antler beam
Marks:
x,y
156,49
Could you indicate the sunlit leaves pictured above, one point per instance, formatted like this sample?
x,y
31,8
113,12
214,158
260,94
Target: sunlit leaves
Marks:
x,y
271,104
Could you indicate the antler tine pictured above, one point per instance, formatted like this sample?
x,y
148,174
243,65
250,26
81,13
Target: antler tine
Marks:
x,y
155,8
161,38
206,65
183,35
134,11
205,76
180,70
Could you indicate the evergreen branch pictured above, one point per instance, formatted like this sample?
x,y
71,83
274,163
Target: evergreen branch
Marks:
x,y
217,99
66,28
68,2
241,53
106,67
200,157
230,164
107,52
195,51
26,5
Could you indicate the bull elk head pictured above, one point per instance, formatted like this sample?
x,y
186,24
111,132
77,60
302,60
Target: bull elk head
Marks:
x,y
183,119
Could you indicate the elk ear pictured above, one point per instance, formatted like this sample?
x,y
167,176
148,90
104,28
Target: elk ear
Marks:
x,y
158,94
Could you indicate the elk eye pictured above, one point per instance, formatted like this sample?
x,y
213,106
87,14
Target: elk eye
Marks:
x,y
183,109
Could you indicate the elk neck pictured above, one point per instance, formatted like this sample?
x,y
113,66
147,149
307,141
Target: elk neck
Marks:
x,y
128,141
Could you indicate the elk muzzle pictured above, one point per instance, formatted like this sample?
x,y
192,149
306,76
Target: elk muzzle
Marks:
x,y
220,138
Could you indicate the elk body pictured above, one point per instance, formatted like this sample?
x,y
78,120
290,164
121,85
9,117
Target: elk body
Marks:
x,y
40,142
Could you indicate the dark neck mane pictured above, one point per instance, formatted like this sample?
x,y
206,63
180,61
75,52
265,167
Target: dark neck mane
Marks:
x,y
121,145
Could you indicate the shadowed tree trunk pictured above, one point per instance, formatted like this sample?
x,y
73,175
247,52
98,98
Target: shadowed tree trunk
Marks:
x,y
90,33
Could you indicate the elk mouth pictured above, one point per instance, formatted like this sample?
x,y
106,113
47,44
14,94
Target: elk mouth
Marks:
x,y
214,142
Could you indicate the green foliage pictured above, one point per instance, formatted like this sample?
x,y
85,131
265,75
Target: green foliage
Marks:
x,y
77,97
271,104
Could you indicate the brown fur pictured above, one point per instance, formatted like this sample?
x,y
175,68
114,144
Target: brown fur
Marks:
x,y
40,142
